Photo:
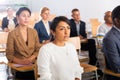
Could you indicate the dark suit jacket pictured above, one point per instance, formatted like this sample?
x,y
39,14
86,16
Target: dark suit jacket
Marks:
x,y
16,46
82,31
42,33
5,22
111,48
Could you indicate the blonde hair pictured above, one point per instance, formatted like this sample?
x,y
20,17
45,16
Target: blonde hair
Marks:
x,y
44,9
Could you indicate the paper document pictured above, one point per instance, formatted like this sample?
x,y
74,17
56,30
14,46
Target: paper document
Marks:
x,y
20,65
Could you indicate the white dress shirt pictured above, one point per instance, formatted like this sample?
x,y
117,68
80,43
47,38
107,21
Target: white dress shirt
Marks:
x,y
78,27
58,62
103,29
47,26
11,24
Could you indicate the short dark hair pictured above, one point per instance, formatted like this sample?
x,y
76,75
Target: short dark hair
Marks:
x,y
75,9
116,13
57,20
22,9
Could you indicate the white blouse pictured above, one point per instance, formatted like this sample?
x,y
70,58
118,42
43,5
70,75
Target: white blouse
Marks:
x,y
47,26
58,62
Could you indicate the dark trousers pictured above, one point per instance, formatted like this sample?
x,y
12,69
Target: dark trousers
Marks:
x,y
109,77
91,47
29,75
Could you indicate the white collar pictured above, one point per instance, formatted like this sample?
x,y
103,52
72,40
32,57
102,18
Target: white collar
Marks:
x,y
44,21
10,18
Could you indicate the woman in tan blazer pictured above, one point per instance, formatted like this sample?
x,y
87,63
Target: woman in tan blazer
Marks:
x,y
23,43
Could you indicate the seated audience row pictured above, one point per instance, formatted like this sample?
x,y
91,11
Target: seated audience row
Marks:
x,y
56,55
23,46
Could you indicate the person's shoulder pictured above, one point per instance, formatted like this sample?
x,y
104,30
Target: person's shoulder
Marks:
x,y
4,18
37,24
15,18
47,46
110,34
70,45
82,21
100,27
103,25
71,20
111,31
13,32
32,30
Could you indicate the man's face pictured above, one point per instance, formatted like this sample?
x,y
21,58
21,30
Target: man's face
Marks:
x,y
76,16
108,18
45,15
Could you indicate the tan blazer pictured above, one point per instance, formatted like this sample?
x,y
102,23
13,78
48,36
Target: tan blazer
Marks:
x,y
16,46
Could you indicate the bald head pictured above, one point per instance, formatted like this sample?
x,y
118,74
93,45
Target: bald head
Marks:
x,y
107,17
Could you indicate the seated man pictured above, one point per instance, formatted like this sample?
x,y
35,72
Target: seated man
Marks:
x,y
78,29
105,27
111,45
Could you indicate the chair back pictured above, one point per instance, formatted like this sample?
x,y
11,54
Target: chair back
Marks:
x,y
76,42
95,24
3,37
108,71
87,68
3,41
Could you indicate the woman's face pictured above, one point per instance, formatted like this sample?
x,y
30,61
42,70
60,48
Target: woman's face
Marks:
x,y
45,15
62,31
10,12
24,18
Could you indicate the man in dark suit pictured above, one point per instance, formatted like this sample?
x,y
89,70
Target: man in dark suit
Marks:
x,y
78,28
111,45
43,26
9,22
